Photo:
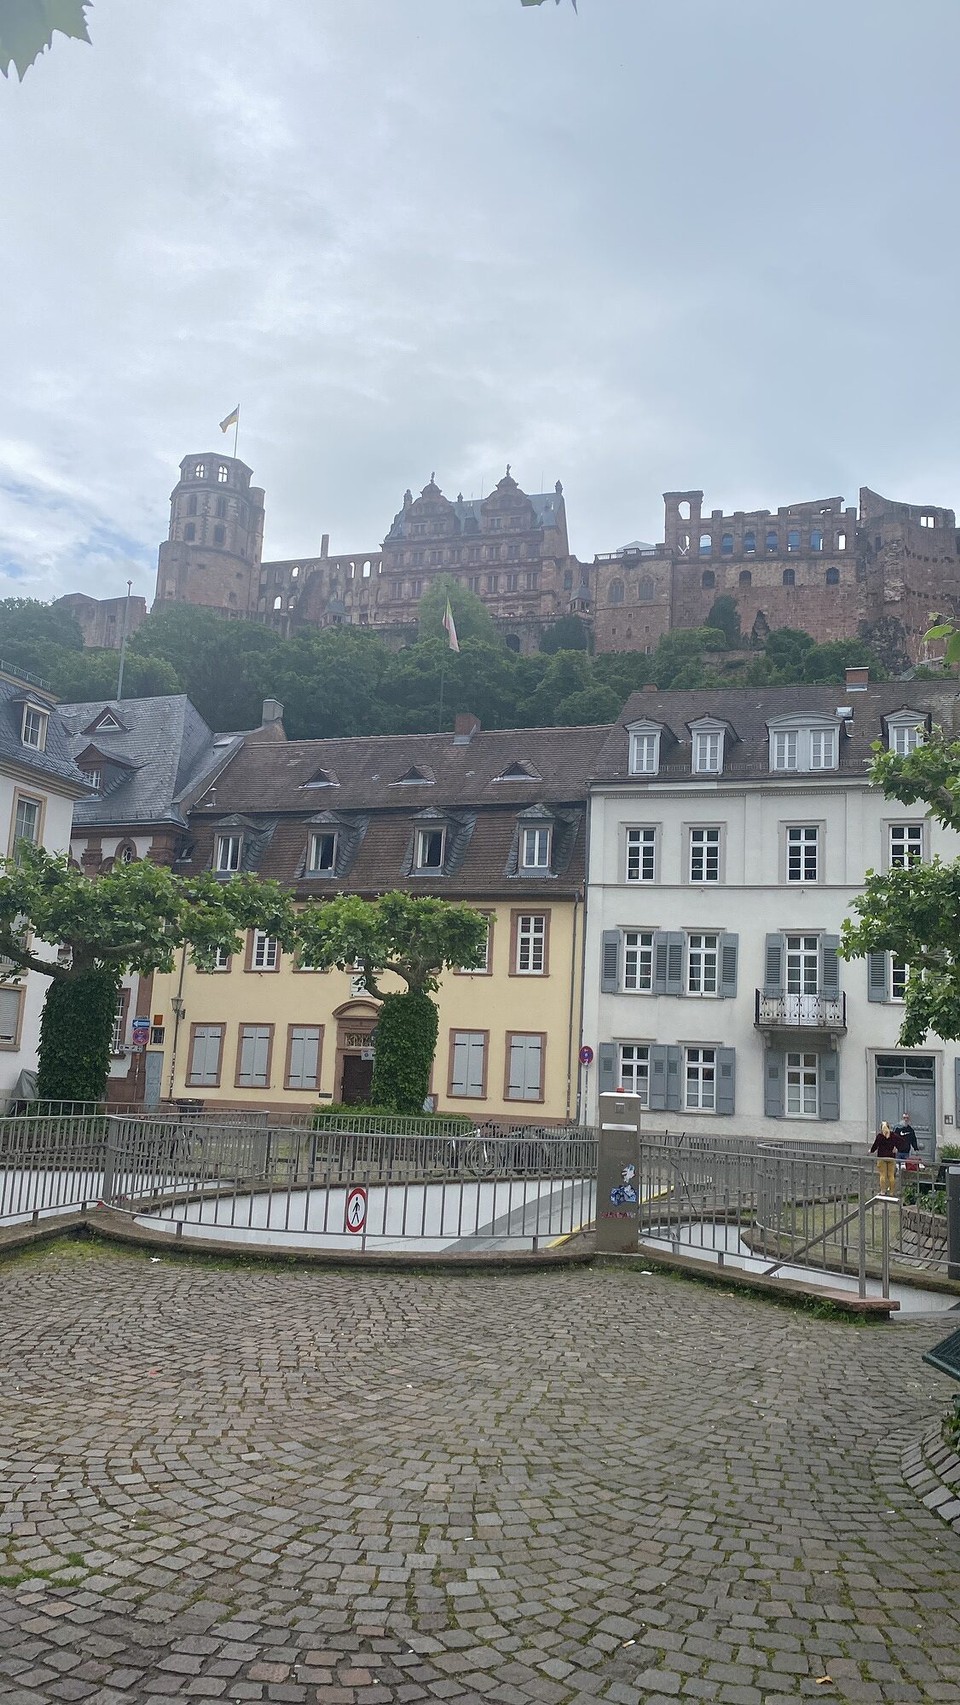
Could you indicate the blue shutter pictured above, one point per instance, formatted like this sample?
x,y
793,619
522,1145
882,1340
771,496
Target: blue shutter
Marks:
x,y
607,1067
610,962
877,986
773,1084
829,966
729,945
658,1077
726,1079
675,952
674,1078
773,967
829,1086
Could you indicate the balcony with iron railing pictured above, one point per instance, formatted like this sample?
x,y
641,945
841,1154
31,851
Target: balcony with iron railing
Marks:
x,y
819,1014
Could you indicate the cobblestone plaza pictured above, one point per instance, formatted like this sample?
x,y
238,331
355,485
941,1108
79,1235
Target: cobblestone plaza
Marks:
x,y
342,1487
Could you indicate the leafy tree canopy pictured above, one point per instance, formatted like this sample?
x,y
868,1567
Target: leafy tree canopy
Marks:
x,y
27,28
725,616
415,938
470,613
567,634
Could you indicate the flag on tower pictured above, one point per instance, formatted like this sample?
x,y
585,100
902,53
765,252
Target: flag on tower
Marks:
x,y
231,419
451,628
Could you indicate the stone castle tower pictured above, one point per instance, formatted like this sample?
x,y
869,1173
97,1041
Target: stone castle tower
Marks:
x,y
212,553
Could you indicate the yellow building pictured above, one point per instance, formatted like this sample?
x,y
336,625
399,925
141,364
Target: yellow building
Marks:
x,y
494,820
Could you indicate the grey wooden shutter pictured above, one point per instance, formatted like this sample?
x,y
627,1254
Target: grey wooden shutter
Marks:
x,y
674,1064
829,966
675,951
9,1014
729,945
829,1086
458,1076
660,942
726,1079
205,1059
877,985
607,1067
254,1056
476,1043
956,1080
610,962
524,1079
773,1086
773,967
658,1077
304,1057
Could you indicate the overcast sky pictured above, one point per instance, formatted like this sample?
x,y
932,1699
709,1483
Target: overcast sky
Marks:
x,y
662,244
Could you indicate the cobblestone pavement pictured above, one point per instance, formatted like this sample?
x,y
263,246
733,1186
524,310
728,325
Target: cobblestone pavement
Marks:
x,y
346,1487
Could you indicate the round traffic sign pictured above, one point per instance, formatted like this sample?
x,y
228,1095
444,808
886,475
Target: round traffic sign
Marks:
x,y
586,1056
355,1212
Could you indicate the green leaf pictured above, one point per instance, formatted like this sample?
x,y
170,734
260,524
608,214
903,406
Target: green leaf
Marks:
x,y
27,28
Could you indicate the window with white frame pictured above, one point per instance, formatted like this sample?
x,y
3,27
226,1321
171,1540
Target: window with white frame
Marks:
x,y
264,952
229,852
429,849
784,749
33,729
221,959
803,964
641,855
644,751
638,961
823,748
905,737
701,1080
531,944
803,853
703,961
322,860
802,1098
26,823
803,749
704,855
468,1063
481,964
635,1070
899,973
535,848
253,1060
525,1068
94,779
906,845
708,751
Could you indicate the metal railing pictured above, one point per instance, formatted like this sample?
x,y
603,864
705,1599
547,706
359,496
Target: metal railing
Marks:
x,y
801,1012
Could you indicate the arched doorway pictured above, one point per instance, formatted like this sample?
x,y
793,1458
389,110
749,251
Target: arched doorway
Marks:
x,y
356,1023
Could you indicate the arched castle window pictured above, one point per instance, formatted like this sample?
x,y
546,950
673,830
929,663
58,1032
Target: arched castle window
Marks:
x,y
726,545
683,509
189,532
708,578
366,570
706,544
750,543
616,591
645,592
832,577
223,473
295,571
772,544
816,540
278,602
126,853
219,533
200,471
746,578
793,539
789,577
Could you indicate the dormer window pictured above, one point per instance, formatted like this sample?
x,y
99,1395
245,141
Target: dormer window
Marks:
x,y
229,854
33,728
430,850
708,751
801,748
322,858
536,847
95,779
644,751
905,733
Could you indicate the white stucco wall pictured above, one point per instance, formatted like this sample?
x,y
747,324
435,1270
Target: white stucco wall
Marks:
x,y
55,836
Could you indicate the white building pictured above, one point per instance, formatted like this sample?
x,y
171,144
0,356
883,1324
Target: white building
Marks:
x,y
39,784
729,832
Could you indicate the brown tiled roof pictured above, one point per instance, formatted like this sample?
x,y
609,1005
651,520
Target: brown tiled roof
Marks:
x,y
748,711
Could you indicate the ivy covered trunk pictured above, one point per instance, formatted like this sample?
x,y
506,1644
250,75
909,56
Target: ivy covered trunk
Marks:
x,y
406,1043
75,1033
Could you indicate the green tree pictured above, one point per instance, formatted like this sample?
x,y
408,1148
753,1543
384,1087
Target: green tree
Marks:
x,y
828,662
725,616
470,614
226,668
568,633
914,913
83,675
134,918
786,649
33,635
413,938
27,28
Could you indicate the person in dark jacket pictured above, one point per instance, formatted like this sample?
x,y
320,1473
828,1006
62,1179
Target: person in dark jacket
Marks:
x,y
884,1146
906,1141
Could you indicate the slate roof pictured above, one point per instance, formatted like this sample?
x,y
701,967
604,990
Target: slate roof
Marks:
x,y
55,762
163,751
376,815
749,710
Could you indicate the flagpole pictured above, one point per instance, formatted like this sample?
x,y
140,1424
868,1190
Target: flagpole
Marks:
x,y
236,432
443,672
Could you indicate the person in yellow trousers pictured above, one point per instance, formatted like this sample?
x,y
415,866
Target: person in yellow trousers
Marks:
x,y
885,1148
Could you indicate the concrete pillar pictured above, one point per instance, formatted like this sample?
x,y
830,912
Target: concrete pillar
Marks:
x,y
618,1174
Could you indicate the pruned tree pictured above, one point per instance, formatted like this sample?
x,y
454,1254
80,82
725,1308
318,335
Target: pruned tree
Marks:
x,y
133,918
27,28
411,937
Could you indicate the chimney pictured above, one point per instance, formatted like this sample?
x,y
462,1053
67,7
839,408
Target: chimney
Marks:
x,y
465,726
324,544
650,687
272,712
856,680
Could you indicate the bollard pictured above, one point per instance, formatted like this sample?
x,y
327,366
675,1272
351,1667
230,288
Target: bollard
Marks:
x,y
953,1222
618,1174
